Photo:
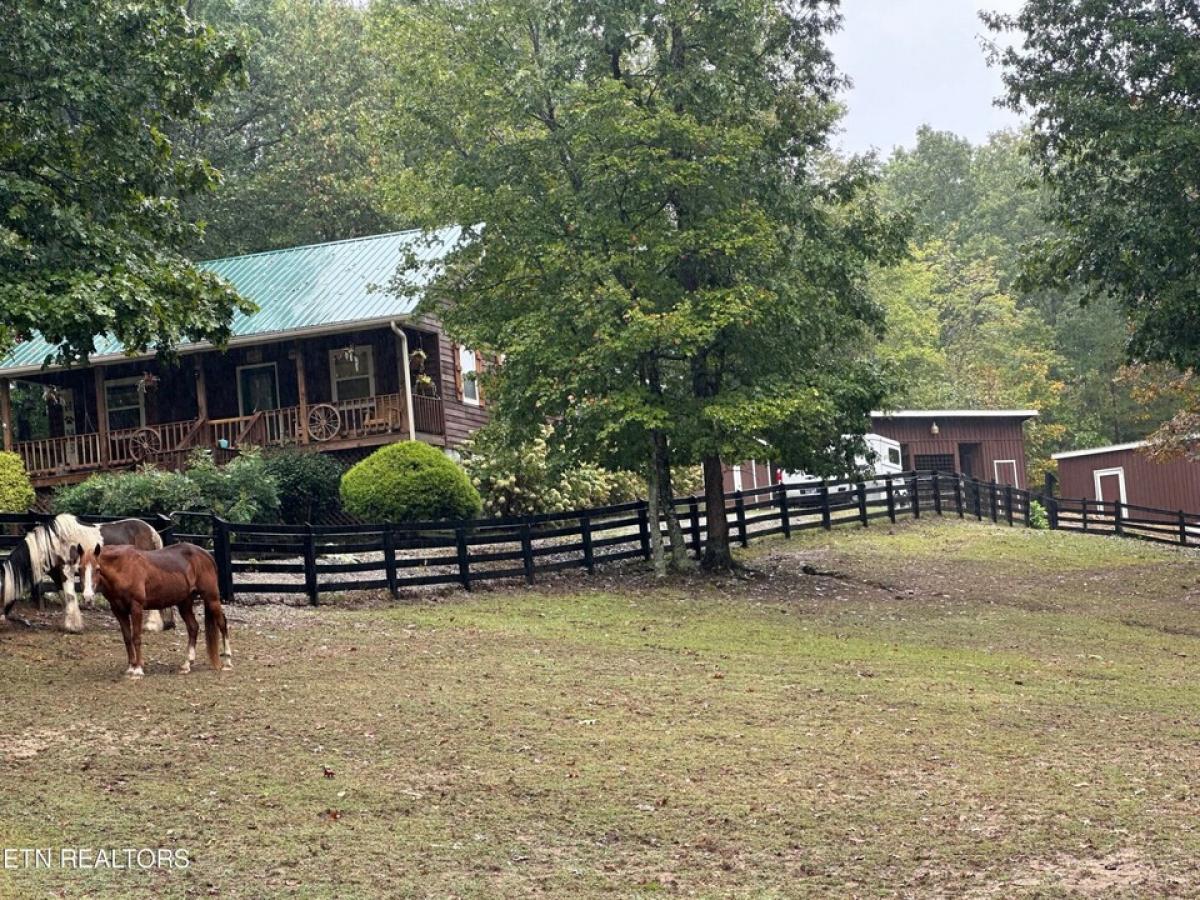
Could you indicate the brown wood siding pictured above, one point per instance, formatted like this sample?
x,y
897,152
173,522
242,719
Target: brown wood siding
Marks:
x,y
462,419
998,439
1169,485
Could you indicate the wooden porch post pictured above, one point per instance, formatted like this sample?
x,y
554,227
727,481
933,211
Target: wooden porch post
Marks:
x,y
6,413
101,413
302,394
201,389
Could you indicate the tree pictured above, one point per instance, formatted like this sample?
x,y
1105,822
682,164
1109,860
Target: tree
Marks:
x,y
298,163
1112,88
662,248
90,183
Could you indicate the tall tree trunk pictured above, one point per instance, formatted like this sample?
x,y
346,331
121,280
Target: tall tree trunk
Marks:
x,y
654,498
666,494
717,555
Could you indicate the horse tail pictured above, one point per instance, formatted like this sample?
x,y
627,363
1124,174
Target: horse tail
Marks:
x,y
212,636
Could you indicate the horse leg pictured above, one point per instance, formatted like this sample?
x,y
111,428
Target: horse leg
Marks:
x,y
168,619
136,615
193,630
127,634
72,617
216,630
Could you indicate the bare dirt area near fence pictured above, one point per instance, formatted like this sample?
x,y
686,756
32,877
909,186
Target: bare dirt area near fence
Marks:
x,y
931,709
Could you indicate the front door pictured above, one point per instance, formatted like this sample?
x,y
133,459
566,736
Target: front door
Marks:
x,y
970,462
258,388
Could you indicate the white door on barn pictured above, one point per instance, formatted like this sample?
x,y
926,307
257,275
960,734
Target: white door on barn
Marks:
x,y
1110,485
1005,472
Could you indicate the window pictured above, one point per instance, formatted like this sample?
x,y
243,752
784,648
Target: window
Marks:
x,y
353,374
935,462
893,456
737,478
258,388
467,367
126,404
1005,471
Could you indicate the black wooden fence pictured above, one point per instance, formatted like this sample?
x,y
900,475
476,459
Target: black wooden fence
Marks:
x,y
315,560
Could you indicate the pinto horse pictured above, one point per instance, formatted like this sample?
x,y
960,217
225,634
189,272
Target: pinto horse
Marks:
x,y
135,581
45,552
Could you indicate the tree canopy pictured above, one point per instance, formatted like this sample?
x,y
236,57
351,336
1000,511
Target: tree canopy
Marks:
x,y
665,252
91,182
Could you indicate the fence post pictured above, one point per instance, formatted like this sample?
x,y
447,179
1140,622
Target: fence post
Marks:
x,y
891,500
1028,512
958,495
739,505
310,564
694,515
978,500
1182,528
993,500
1085,510
915,489
389,560
1118,526
464,558
785,520
527,551
1052,508
937,494
223,557
861,489
1008,497
585,529
643,512
826,515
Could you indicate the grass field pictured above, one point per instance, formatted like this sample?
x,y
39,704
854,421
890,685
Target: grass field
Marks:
x,y
944,709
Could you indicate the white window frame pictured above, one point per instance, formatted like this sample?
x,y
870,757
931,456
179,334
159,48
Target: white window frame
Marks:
x,y
333,379
997,463
122,382
462,374
1097,474
737,477
238,375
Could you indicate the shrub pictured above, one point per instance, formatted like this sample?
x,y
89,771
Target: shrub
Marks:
x,y
1037,515
241,491
409,482
307,484
16,491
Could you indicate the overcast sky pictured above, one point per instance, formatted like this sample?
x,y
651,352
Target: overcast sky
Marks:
x,y
916,62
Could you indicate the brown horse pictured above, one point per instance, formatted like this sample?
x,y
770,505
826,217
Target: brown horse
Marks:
x,y
135,581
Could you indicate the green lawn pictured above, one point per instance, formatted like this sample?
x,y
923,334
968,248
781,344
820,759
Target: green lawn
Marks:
x,y
950,709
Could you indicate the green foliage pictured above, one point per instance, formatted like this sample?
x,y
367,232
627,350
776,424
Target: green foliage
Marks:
x,y
670,258
527,477
240,491
16,491
1037,516
92,182
1113,93
298,165
307,484
409,482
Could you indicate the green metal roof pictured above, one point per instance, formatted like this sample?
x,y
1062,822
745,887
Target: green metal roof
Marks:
x,y
316,286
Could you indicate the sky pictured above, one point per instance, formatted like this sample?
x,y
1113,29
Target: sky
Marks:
x,y
917,62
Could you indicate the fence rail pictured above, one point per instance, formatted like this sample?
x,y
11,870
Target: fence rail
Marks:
x,y
315,560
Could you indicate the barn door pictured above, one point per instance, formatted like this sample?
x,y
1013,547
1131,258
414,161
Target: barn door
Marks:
x,y
1110,485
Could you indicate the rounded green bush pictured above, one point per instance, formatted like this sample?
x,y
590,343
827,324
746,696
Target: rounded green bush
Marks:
x,y
409,482
16,491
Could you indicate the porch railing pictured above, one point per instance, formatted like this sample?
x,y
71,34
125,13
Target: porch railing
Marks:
x,y
381,414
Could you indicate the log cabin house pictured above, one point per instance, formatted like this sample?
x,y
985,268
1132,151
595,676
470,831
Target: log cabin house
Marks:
x,y
329,362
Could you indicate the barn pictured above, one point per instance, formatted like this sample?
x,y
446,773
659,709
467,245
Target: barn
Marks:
x,y
1125,473
986,444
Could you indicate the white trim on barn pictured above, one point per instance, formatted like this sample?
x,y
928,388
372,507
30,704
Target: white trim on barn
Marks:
x,y
997,463
1094,451
955,414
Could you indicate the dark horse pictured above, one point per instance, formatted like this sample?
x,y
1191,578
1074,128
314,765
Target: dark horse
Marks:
x,y
46,550
135,581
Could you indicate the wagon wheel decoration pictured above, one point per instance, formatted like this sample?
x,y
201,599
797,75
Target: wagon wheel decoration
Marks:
x,y
144,443
324,421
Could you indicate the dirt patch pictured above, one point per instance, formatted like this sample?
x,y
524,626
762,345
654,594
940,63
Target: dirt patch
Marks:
x,y
1105,876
